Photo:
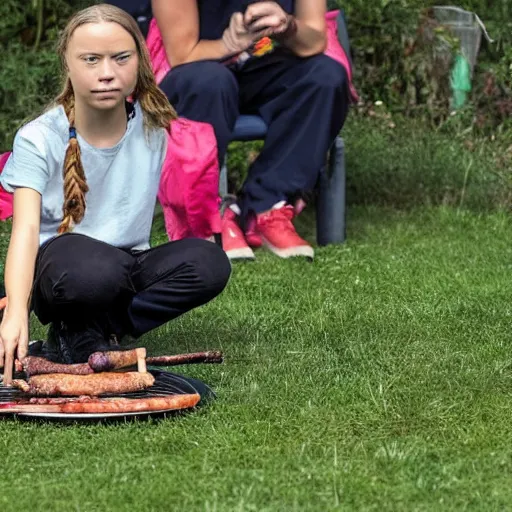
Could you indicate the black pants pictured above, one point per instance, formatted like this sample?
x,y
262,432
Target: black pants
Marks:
x,y
78,277
303,101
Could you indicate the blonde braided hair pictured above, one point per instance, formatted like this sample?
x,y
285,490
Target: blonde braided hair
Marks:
x,y
156,109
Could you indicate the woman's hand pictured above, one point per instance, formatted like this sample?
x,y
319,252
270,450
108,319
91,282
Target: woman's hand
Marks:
x,y
13,341
238,37
267,16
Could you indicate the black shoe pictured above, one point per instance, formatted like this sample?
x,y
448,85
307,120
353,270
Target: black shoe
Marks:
x,y
46,349
71,343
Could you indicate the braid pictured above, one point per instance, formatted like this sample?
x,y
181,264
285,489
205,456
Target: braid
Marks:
x,y
75,184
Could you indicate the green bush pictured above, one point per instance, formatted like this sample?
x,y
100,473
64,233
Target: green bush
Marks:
x,y
29,72
401,58
24,94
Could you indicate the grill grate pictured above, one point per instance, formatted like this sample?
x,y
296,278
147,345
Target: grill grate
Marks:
x,y
166,383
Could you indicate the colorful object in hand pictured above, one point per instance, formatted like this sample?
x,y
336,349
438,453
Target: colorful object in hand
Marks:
x,y
263,46
258,49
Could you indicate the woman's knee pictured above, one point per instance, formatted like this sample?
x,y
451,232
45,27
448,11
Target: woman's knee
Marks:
x,y
325,73
211,266
206,79
74,268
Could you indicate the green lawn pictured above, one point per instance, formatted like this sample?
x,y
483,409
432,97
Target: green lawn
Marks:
x,y
377,378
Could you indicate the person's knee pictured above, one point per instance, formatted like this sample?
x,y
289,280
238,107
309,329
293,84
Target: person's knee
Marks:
x,y
73,274
211,267
326,74
203,79
95,284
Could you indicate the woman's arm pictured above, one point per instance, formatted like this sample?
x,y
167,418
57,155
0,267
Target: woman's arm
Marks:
x,y
19,277
311,35
178,21
23,246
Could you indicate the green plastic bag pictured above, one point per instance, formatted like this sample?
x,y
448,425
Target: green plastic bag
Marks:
x,y
460,82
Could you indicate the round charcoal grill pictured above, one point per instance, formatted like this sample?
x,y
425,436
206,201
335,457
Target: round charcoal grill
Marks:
x,y
166,383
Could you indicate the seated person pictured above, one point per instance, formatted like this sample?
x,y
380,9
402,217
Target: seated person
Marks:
x,y
266,58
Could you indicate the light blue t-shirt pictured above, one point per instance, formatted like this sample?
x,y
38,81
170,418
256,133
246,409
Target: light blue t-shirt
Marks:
x,y
123,180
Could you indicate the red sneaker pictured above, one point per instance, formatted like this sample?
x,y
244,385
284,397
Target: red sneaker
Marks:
x,y
233,240
251,233
278,233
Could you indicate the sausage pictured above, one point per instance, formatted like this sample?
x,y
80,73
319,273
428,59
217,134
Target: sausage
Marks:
x,y
21,384
106,361
196,357
61,384
157,403
104,405
33,365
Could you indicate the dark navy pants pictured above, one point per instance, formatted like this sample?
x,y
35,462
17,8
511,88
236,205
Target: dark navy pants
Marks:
x,y
303,101
78,278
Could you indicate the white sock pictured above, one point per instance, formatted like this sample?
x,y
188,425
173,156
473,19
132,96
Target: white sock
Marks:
x,y
234,208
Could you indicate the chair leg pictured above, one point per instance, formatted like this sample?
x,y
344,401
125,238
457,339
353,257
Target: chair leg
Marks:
x,y
223,179
330,209
223,192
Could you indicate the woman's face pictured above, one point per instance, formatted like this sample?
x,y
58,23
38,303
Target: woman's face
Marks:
x,y
102,64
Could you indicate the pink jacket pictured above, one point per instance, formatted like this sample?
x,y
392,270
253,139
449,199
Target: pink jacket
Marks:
x,y
189,186
5,197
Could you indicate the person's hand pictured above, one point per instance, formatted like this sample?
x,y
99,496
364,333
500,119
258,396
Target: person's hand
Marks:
x,y
13,342
268,16
238,38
